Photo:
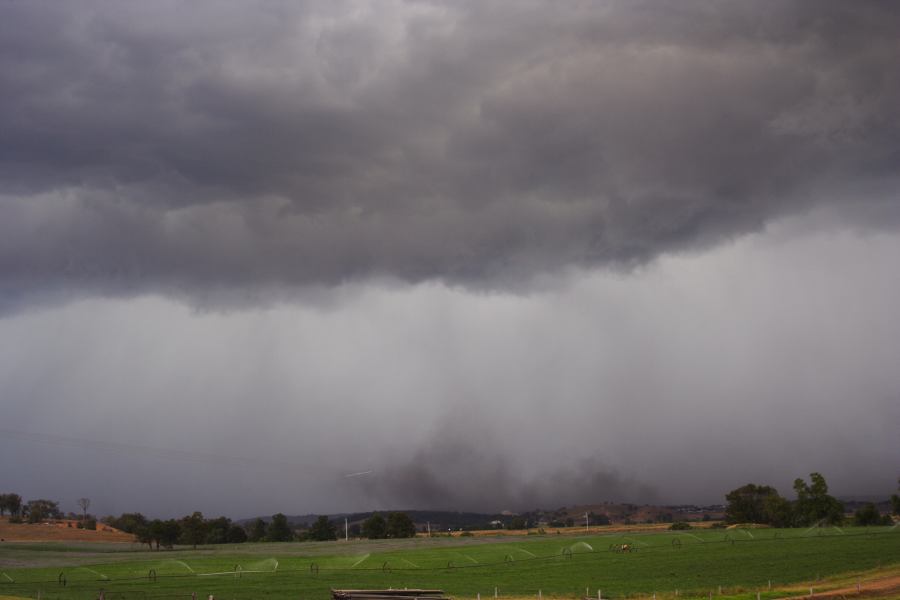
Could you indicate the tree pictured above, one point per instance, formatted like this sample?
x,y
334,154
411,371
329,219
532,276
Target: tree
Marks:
x,y
11,503
155,531
128,522
279,530
84,504
867,515
144,535
779,511
895,501
814,505
236,535
751,503
322,530
375,527
169,533
193,529
399,525
518,523
257,531
217,530
40,510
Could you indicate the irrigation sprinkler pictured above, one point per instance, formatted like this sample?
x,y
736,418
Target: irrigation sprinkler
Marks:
x,y
151,575
386,567
567,552
449,564
314,568
61,579
508,558
676,543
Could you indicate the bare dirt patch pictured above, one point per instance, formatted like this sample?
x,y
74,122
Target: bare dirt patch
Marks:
x,y
59,531
876,588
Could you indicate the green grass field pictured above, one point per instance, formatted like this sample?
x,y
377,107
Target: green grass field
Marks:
x,y
693,562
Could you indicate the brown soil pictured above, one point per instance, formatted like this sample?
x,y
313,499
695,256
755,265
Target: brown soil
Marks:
x,y
876,588
59,531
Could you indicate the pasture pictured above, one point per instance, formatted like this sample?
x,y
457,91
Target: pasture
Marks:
x,y
694,563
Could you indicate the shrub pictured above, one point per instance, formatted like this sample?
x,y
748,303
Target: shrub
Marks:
x,y
680,526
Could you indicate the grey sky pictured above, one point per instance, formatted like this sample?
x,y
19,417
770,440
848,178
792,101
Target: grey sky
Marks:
x,y
620,250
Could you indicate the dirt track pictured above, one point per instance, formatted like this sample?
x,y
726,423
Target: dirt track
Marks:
x,y
876,588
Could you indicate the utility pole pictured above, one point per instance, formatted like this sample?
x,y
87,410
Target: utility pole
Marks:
x,y
428,523
346,534
587,522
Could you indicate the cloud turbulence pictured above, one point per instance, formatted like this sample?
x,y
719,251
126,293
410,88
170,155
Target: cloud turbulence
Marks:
x,y
166,147
482,165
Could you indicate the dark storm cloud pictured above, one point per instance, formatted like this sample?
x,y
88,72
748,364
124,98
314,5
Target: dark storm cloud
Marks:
x,y
189,147
448,474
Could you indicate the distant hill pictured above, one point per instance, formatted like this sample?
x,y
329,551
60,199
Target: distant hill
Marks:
x,y
442,520
439,519
62,530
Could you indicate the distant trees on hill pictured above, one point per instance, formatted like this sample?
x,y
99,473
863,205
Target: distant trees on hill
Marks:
x,y
278,530
322,530
754,503
41,510
10,503
895,501
374,528
397,525
868,514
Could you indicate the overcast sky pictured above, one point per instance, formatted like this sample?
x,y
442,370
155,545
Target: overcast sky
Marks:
x,y
500,254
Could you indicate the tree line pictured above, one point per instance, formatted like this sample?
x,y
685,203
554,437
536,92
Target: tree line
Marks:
x,y
195,529
753,503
